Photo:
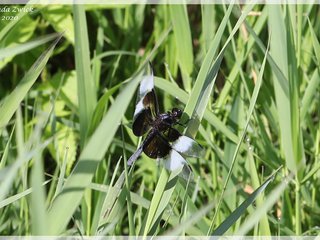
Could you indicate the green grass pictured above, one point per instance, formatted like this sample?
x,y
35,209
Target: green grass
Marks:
x,y
249,84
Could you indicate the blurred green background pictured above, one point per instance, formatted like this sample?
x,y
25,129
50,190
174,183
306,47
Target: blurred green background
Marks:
x,y
248,74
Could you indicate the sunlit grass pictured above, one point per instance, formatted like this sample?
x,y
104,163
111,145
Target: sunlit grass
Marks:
x,y
247,77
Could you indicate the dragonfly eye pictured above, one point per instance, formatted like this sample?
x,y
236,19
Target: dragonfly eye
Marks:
x,y
176,112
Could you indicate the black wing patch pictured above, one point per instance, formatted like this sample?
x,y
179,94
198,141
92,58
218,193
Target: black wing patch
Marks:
x,y
144,114
147,106
156,147
172,134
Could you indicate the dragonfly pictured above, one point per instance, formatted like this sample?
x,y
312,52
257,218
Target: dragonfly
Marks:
x,y
163,140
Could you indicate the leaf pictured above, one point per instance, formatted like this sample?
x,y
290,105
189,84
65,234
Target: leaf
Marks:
x,y
90,157
20,48
236,214
86,87
11,102
60,18
183,40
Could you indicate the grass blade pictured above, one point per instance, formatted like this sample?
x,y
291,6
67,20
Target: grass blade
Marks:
x,y
315,42
4,156
11,102
38,195
12,51
270,200
310,93
86,88
205,80
279,54
90,157
208,26
250,111
10,172
236,214
182,35
208,72
178,93
160,200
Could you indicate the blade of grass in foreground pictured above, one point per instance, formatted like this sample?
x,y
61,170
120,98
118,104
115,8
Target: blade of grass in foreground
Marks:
x,y
178,93
250,111
182,35
193,219
4,156
24,47
38,195
160,200
264,227
72,192
270,200
202,88
294,86
280,56
315,79
315,42
208,72
208,26
11,102
236,214
232,76
86,88
16,197
310,93
9,176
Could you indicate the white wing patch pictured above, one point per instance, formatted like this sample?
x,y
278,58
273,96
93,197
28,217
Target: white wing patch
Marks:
x,y
139,107
146,85
174,161
187,146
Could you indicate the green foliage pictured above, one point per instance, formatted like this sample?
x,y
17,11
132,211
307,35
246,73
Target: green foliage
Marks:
x,y
246,76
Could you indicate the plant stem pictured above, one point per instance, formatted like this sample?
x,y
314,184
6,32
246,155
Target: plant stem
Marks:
x,y
298,207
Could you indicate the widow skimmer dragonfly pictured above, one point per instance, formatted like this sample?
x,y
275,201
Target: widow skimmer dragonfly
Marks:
x,y
163,141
